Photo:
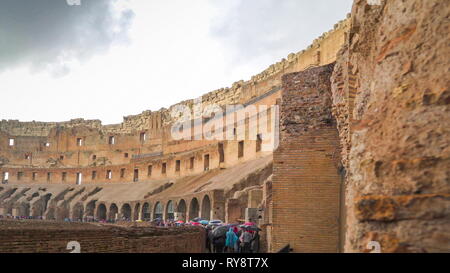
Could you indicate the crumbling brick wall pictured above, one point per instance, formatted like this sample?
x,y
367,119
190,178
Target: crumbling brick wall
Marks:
x,y
53,237
398,190
306,180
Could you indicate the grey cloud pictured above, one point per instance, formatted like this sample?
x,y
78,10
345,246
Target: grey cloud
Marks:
x,y
277,27
46,34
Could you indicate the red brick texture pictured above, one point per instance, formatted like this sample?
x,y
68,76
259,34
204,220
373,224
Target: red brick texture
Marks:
x,y
306,180
53,237
396,64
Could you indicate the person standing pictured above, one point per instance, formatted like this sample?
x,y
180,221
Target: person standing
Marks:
x,y
246,239
208,239
231,240
219,243
255,242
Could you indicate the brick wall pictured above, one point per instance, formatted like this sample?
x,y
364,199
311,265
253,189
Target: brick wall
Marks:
x,y
306,181
52,237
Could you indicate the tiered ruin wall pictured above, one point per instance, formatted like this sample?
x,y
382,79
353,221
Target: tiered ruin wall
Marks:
x,y
322,51
49,152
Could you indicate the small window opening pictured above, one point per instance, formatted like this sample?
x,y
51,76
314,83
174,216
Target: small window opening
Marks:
x,y
177,165
108,174
241,149
191,163
112,140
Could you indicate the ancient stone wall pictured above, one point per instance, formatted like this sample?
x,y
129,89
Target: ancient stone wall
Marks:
x,y
391,99
53,237
306,180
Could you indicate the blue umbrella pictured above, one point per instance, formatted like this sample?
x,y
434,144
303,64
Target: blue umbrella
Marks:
x,y
204,222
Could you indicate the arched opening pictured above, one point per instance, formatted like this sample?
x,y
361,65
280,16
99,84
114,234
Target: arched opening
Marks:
x,y
206,208
50,214
62,212
40,206
78,212
90,210
113,212
146,212
24,210
101,212
158,213
194,209
125,212
170,213
137,212
181,210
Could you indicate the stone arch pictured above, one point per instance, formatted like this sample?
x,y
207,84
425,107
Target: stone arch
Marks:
x,y
78,212
158,210
113,211
24,209
40,206
125,212
181,210
194,209
206,208
170,211
146,214
90,209
62,212
137,215
50,214
101,212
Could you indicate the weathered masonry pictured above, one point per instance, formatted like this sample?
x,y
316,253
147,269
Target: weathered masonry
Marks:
x,y
369,161
48,237
307,163
136,170
363,154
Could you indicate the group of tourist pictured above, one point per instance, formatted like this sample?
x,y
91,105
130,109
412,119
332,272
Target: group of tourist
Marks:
x,y
168,223
236,238
222,237
9,216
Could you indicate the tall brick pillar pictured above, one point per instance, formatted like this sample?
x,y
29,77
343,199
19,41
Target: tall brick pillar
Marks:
x,y
306,180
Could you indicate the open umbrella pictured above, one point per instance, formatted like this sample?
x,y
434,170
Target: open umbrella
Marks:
x,y
196,224
254,228
249,224
204,222
220,231
180,222
197,219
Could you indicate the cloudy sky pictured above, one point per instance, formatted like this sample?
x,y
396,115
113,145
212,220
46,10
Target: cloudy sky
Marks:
x,y
105,59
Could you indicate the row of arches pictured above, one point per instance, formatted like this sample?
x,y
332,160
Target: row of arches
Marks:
x,y
171,210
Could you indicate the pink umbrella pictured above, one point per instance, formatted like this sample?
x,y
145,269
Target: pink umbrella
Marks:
x,y
180,222
249,224
196,224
